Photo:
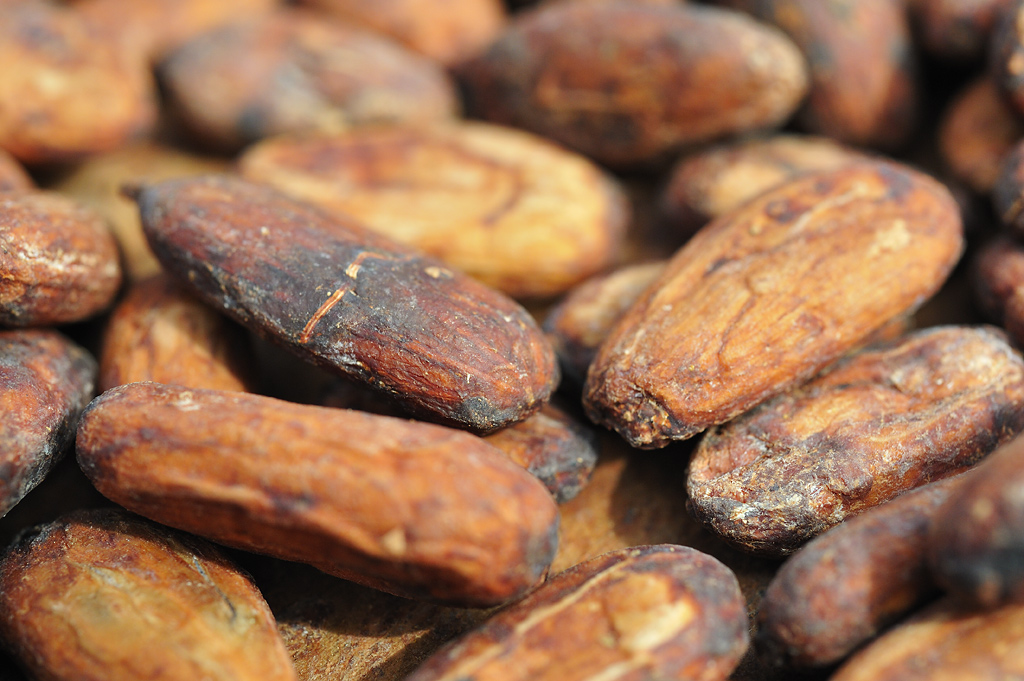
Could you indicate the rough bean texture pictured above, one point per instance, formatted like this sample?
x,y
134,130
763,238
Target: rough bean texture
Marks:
x,y
646,612
106,596
570,71
45,383
504,206
352,301
976,545
418,510
849,584
765,297
58,259
871,427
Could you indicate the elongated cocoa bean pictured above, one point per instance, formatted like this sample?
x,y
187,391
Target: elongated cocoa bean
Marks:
x,y
352,301
847,585
411,508
767,296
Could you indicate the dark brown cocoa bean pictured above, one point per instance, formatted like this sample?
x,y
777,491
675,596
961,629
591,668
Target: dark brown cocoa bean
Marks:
x,y
976,545
352,301
849,584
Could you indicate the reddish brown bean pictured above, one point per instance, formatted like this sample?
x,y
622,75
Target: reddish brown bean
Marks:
x,y
415,509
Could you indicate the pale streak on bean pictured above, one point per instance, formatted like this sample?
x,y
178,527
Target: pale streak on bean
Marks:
x,y
352,271
639,657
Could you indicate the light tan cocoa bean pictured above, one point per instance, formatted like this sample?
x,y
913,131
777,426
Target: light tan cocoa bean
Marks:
x,y
104,595
504,206
765,297
650,612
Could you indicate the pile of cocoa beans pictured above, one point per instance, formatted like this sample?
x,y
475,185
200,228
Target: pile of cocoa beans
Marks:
x,y
484,340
